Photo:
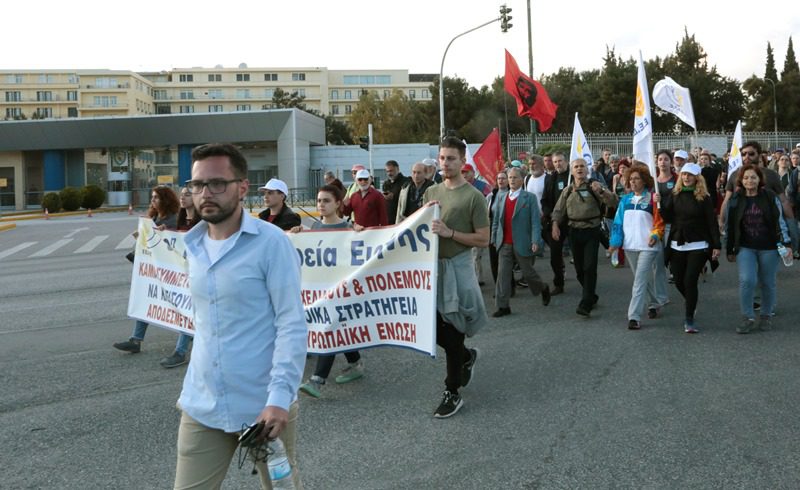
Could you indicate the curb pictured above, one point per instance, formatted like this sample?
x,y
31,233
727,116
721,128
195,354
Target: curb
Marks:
x,y
28,217
7,226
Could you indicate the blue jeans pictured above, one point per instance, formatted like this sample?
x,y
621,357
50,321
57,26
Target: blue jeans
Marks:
x,y
181,346
757,267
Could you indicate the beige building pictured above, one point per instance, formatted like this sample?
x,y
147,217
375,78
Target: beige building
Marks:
x,y
45,94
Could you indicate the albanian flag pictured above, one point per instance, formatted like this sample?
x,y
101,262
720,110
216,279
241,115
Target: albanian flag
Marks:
x,y
532,99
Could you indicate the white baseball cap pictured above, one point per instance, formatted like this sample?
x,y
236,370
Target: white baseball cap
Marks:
x,y
682,154
275,185
691,168
362,174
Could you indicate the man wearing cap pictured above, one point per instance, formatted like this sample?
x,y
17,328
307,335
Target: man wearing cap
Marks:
x,y
468,171
366,204
354,186
679,160
277,212
394,182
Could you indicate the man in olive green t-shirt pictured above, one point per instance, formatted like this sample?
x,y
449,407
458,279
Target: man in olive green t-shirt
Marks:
x,y
463,224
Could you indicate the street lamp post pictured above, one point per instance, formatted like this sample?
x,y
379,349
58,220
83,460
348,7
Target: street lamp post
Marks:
x,y
503,17
774,108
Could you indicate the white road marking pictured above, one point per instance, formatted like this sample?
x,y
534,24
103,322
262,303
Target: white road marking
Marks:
x,y
73,232
91,244
127,242
51,248
11,251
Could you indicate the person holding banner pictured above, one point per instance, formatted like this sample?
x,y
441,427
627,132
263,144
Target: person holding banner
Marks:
x,y
517,235
163,210
329,199
463,224
638,229
580,206
250,329
693,236
755,228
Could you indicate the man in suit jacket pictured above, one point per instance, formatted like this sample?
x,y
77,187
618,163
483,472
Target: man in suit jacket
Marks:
x,y
516,233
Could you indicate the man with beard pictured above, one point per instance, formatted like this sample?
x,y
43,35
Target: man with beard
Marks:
x,y
394,182
250,331
366,204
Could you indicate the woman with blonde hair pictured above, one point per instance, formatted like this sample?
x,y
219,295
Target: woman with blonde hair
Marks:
x,y
693,236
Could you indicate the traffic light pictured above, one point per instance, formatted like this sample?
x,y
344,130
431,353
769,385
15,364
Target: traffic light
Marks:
x,y
364,140
505,19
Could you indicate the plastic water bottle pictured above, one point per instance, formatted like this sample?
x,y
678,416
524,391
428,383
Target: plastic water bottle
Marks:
x,y
280,472
787,257
615,258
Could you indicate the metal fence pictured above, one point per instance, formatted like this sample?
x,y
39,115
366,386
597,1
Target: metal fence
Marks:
x,y
622,143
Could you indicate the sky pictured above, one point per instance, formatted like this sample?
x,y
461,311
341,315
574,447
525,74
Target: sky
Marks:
x,y
149,35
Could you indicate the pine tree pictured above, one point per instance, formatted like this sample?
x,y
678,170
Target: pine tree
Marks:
x,y
771,72
790,64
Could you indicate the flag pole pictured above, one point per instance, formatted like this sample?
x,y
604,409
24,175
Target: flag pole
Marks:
x,y
530,73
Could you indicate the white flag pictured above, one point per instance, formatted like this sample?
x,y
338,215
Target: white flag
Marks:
x,y
735,157
673,98
643,122
580,147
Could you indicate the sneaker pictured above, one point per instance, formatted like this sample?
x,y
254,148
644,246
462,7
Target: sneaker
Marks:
x,y
546,295
765,323
746,326
689,327
634,325
756,305
501,312
313,387
132,345
469,367
451,403
652,313
522,283
351,373
175,360
583,311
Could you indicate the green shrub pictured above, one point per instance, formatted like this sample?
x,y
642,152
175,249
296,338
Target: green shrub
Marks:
x,y
93,197
70,198
51,202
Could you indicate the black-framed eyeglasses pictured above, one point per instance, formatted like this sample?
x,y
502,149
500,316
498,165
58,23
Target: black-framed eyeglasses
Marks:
x,y
215,186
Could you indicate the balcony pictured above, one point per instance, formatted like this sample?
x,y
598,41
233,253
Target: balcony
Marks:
x,y
119,86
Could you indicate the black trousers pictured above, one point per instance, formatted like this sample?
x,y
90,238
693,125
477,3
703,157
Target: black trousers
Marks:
x,y
556,252
325,363
686,268
584,243
452,341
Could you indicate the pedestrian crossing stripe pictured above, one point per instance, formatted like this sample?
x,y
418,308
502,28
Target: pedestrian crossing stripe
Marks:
x,y
91,244
127,243
13,250
51,248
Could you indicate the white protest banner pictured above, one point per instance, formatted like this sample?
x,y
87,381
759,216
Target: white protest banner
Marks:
x,y
675,99
160,282
368,288
580,147
643,122
735,157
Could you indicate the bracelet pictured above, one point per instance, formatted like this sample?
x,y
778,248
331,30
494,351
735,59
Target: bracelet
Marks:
x,y
452,235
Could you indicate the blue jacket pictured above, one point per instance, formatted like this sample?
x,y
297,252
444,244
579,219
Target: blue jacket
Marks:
x,y
526,224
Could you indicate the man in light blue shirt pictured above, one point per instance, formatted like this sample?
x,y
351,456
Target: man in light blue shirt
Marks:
x,y
250,331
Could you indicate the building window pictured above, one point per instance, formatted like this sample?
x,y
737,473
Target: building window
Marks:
x,y
72,78
186,109
13,112
159,94
348,94
72,95
215,93
269,93
242,77
301,92
367,80
14,78
412,94
14,96
348,109
335,109
214,77
46,78
187,94
186,77
43,112
105,101
243,107
362,91
268,106
242,93
72,112
334,94
425,94
270,77
215,108
298,77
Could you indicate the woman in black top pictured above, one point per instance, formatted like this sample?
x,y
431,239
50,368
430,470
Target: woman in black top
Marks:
x,y
694,235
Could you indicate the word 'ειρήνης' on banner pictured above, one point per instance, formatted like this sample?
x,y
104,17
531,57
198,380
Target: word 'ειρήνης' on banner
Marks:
x,y
369,288
160,281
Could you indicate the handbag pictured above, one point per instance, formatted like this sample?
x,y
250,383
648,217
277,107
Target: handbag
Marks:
x,y
131,255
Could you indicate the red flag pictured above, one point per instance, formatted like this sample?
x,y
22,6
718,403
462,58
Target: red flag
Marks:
x,y
489,157
532,99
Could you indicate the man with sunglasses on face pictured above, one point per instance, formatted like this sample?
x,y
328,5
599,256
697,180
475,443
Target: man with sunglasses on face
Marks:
x,y
277,212
367,204
250,330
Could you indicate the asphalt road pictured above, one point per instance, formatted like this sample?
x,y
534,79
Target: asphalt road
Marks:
x,y
556,401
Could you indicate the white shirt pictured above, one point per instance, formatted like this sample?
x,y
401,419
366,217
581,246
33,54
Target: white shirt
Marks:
x,y
536,187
